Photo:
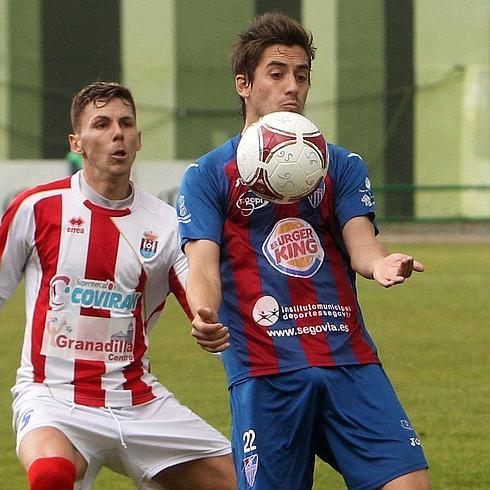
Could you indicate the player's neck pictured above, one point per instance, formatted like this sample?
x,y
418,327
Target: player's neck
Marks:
x,y
250,118
116,189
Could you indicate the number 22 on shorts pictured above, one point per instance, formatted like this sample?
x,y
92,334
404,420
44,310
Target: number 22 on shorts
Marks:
x,y
249,441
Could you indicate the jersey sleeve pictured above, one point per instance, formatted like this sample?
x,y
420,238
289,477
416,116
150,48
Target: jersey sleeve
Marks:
x,y
199,207
16,229
169,274
178,277
353,193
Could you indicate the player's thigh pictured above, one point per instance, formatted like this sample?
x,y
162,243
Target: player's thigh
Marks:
x,y
38,423
48,442
363,421
273,425
76,432
164,437
213,473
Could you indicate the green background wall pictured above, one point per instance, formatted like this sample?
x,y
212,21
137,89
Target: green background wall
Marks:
x,y
207,105
452,43
151,73
4,75
24,123
391,81
80,44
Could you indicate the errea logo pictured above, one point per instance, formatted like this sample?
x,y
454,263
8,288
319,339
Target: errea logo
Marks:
x,y
75,225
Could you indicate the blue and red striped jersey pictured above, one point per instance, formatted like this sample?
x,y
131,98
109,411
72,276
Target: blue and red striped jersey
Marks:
x,y
288,291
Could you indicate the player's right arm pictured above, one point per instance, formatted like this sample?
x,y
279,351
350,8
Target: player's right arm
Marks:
x,y
15,236
203,292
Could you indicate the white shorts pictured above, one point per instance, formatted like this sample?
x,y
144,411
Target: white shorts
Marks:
x,y
137,441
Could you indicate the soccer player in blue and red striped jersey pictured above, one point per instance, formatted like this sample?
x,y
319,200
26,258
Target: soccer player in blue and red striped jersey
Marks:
x,y
272,288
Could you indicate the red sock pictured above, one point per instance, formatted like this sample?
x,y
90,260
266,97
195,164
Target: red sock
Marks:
x,y
52,474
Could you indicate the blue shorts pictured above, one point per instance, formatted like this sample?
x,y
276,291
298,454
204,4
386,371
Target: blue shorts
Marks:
x,y
349,416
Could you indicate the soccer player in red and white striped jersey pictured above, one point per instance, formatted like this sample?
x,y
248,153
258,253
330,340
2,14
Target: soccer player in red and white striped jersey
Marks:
x,y
100,257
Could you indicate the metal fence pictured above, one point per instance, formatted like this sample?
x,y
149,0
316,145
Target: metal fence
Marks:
x,y
434,203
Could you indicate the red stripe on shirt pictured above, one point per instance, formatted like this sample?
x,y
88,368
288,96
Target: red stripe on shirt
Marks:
x,y
140,391
303,292
361,349
9,215
246,277
156,311
179,292
100,265
47,218
7,219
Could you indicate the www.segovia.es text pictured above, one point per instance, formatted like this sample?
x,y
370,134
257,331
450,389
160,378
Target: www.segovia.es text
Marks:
x,y
308,330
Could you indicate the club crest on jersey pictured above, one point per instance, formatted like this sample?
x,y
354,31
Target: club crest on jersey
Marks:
x,y
149,244
316,196
250,465
293,248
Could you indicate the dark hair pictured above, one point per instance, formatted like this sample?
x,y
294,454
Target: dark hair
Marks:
x,y
267,29
99,93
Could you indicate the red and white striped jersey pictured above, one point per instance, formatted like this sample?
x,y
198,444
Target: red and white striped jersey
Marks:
x,y
96,280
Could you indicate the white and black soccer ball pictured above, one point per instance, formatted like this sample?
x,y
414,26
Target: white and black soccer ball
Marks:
x,y
282,157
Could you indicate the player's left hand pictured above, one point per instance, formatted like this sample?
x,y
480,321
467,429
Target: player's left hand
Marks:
x,y
209,333
394,269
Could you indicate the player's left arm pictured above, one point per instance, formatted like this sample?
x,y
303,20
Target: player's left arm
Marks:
x,y
370,259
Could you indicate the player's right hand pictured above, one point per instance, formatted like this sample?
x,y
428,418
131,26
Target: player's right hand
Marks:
x,y
209,333
394,269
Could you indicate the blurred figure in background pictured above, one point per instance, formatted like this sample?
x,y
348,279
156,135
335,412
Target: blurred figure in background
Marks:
x,y
75,162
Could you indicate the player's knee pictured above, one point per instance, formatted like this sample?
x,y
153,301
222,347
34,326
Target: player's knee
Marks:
x,y
213,473
417,479
52,474
225,472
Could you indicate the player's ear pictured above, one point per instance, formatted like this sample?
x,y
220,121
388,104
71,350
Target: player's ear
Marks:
x,y
75,145
242,85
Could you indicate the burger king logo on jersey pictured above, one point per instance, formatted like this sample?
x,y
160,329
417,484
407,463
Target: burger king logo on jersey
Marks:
x,y
293,248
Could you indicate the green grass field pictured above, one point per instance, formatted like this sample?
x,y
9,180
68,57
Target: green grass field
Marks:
x,y
433,337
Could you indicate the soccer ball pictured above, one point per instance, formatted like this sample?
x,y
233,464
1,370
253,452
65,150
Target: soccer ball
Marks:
x,y
282,157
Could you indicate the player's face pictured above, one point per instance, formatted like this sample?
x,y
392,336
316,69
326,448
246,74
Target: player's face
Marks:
x,y
108,140
281,82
